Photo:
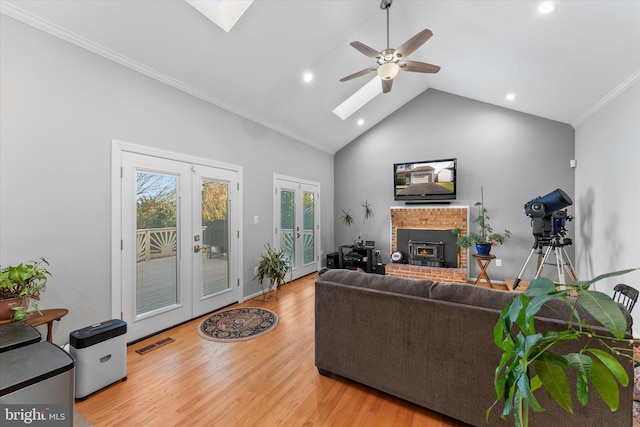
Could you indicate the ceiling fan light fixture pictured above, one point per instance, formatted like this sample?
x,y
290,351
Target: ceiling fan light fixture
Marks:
x,y
388,71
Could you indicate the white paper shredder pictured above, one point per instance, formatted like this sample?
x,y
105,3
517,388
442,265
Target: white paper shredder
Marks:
x,y
100,352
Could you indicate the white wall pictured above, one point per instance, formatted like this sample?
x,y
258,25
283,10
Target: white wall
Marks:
x,y
608,193
60,108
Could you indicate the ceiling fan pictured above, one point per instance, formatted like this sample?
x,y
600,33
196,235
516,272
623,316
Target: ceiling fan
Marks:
x,y
391,61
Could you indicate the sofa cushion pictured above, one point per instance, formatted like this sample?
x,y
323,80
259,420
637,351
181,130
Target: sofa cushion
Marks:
x,y
399,285
477,296
481,296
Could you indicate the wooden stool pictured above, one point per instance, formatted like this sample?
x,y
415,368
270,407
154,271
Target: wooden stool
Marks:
x,y
483,262
48,316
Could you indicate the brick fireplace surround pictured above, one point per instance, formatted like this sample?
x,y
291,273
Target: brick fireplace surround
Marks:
x,y
429,218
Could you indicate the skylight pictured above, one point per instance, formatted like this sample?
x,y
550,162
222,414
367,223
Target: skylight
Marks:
x,y
223,13
359,99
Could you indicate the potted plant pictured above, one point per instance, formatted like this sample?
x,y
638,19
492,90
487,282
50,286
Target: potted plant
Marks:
x,y
273,265
348,219
18,285
596,364
487,237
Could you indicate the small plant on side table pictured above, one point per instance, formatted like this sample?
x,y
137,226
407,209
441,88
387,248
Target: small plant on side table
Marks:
x,y
487,237
23,282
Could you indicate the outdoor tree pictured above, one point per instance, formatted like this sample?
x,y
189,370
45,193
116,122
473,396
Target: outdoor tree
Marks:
x,y
214,201
156,202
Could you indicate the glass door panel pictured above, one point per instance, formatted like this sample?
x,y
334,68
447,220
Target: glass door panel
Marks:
x,y
156,241
215,237
309,227
214,260
288,225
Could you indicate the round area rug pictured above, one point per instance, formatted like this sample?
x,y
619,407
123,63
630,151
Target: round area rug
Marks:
x,y
238,324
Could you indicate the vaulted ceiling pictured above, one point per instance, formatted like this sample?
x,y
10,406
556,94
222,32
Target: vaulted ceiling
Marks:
x,y
561,66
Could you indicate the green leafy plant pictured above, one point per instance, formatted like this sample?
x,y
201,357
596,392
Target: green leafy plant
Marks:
x,y
487,234
274,266
348,219
524,348
25,280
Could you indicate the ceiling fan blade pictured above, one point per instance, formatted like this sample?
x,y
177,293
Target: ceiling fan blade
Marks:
x,y
419,67
358,74
413,43
363,48
386,85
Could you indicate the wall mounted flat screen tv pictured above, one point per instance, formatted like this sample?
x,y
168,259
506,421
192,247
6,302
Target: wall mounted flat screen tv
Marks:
x,y
429,180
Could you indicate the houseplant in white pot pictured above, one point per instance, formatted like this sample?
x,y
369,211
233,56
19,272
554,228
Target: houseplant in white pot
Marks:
x,y
487,237
18,285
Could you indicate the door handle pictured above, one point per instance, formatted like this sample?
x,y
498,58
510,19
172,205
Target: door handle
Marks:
x,y
297,235
196,249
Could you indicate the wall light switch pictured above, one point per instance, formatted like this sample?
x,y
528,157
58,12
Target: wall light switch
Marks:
x,y
255,219
572,163
498,263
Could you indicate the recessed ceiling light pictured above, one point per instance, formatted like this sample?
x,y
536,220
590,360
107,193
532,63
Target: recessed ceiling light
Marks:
x,y
511,96
307,77
360,122
547,7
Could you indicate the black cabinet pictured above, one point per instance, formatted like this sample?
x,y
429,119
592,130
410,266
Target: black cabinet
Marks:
x,y
357,257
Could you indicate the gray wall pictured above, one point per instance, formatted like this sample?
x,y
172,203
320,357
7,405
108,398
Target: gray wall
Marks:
x,y
513,156
608,193
60,108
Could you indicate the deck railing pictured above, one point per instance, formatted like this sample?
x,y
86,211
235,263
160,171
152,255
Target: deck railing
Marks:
x,y
152,243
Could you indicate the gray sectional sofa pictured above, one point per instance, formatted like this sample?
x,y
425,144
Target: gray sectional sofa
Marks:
x,y
432,344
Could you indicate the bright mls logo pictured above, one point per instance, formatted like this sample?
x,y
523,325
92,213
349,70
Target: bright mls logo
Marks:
x,y
36,415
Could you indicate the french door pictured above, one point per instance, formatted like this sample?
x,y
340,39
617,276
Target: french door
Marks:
x,y
179,244
297,223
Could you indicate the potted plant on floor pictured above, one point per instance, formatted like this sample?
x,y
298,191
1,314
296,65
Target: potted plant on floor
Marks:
x,y
596,364
487,237
348,219
273,265
18,285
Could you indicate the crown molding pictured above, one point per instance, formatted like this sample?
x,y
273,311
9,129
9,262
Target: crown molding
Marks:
x,y
21,15
622,88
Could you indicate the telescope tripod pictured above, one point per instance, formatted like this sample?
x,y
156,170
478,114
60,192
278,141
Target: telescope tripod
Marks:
x,y
563,263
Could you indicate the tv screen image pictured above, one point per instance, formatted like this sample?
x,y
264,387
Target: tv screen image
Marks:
x,y
425,180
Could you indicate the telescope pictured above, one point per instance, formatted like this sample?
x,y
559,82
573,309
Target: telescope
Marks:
x,y
548,220
544,206
545,213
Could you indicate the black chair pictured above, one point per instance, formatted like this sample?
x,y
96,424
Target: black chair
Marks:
x,y
626,295
215,236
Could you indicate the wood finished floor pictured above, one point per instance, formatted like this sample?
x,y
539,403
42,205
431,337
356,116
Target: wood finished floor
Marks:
x,y
267,381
